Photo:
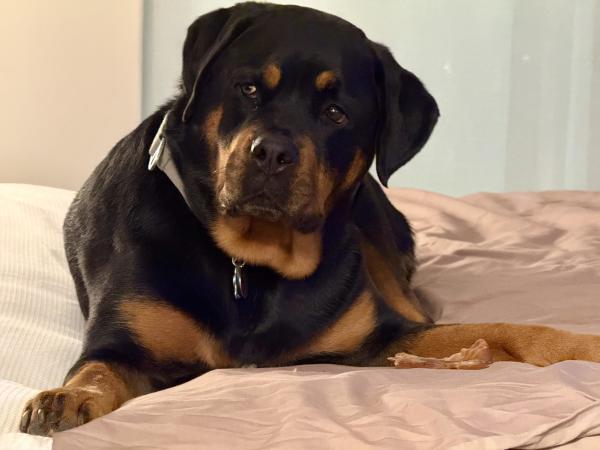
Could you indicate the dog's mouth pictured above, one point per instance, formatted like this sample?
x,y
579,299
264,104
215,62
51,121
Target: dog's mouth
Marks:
x,y
259,204
262,205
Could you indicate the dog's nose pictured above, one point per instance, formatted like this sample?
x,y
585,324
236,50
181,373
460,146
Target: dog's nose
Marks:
x,y
273,155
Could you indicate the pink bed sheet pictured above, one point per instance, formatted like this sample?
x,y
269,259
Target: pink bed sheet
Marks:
x,y
524,258
520,257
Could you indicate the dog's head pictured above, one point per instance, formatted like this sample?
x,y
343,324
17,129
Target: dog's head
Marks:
x,y
291,106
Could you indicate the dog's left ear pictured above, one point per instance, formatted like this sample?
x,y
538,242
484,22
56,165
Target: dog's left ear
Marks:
x,y
407,115
206,38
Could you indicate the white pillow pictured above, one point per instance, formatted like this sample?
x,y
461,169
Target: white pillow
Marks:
x,y
41,326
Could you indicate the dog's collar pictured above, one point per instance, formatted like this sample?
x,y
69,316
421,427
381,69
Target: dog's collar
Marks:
x,y
160,156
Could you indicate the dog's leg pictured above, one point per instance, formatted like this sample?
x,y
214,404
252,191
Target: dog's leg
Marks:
x,y
533,344
93,390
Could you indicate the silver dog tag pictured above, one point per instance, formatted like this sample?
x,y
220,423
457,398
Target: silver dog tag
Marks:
x,y
239,284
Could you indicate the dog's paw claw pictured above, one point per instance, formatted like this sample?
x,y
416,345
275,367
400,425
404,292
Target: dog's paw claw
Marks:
x,y
60,409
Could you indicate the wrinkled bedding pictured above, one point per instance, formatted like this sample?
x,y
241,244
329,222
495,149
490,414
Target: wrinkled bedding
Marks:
x,y
522,258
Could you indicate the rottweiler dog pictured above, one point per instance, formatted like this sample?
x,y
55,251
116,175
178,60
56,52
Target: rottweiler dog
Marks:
x,y
238,225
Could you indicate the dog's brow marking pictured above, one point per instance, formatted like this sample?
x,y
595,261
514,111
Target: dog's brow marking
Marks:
x,y
272,76
325,79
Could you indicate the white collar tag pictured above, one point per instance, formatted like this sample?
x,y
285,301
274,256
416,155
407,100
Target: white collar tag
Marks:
x,y
158,144
160,156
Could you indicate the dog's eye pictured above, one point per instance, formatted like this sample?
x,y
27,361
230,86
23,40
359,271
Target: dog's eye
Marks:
x,y
336,114
249,90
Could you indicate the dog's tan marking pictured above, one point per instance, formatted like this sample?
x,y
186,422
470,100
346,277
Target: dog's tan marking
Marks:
x,y
272,76
293,254
101,377
388,285
311,172
232,158
211,126
96,389
325,79
171,335
533,344
347,333
356,170
218,158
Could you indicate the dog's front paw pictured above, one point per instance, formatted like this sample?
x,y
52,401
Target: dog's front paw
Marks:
x,y
61,409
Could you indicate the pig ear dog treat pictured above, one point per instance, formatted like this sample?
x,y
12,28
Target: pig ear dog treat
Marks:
x,y
477,356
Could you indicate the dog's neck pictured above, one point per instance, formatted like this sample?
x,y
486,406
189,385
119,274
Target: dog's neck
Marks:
x,y
292,254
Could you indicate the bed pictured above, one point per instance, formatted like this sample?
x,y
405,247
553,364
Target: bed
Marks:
x,y
521,257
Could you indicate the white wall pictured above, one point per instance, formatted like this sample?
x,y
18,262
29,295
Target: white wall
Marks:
x,y
70,86
518,83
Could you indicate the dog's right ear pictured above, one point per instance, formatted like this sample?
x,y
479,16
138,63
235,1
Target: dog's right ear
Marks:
x,y
408,114
206,37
